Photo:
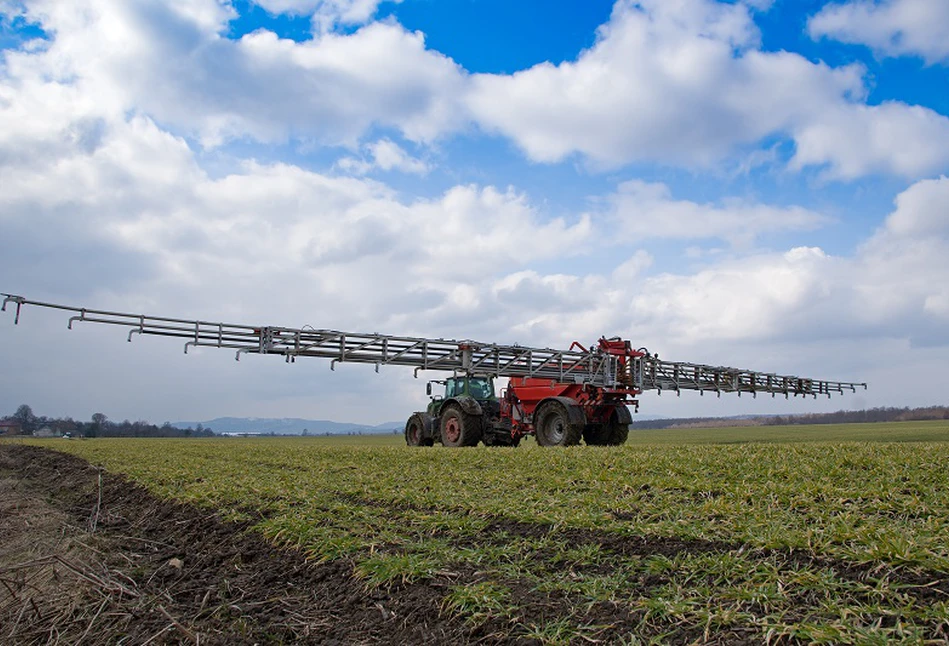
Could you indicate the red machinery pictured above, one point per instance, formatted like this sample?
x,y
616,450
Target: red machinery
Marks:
x,y
598,414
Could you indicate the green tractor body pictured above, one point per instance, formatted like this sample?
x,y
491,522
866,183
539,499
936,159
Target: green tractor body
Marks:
x,y
469,412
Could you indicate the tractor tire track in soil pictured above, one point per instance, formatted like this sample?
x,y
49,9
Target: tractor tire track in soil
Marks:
x,y
158,571
607,621
924,585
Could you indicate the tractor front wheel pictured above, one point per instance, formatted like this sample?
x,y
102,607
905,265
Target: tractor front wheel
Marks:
x,y
553,428
415,431
458,428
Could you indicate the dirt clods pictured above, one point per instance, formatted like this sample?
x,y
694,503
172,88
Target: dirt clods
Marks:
x,y
89,557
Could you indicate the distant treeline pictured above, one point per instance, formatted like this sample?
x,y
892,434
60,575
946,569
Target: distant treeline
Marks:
x,y
884,414
24,422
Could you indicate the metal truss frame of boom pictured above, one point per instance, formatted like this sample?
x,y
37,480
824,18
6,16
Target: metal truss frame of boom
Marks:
x,y
631,371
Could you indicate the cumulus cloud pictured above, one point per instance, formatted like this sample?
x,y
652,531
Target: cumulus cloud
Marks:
x,y
749,298
684,83
893,287
889,27
171,62
327,14
277,244
384,155
681,83
903,271
133,223
646,210
856,140
921,210
141,192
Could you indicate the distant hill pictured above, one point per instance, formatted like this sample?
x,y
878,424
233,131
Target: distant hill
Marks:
x,y
288,426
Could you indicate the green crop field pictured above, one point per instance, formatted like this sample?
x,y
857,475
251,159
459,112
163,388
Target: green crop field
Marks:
x,y
927,431
824,534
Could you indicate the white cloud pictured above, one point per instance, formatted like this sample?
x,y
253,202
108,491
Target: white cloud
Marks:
x,y
922,210
385,155
684,83
857,140
140,192
327,14
890,27
171,62
642,211
903,268
141,227
892,288
134,224
751,298
633,95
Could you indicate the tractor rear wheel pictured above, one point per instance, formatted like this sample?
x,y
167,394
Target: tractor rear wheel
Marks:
x,y
595,435
415,431
616,432
553,428
612,433
459,428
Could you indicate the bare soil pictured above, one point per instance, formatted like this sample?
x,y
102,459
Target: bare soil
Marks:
x,y
89,557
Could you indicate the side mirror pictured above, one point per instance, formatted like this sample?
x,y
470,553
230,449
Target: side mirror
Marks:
x,y
428,389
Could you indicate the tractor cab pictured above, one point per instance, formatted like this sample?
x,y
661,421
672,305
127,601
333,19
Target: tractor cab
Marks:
x,y
478,388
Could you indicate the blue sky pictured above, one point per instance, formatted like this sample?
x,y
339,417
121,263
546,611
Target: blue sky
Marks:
x,y
761,184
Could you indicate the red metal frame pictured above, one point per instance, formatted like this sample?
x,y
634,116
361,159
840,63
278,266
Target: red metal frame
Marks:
x,y
525,394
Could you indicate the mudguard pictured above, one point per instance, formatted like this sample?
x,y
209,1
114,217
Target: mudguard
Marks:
x,y
428,426
623,415
574,412
469,405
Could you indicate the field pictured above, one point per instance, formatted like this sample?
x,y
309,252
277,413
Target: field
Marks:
x,y
824,534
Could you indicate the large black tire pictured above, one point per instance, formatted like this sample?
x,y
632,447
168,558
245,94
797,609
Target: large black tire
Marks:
x,y
553,428
595,435
617,433
612,433
458,428
415,431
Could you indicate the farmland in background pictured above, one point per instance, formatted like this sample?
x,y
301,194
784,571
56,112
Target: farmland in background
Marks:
x,y
833,534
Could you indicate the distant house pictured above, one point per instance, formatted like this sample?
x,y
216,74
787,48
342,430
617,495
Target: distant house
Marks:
x,y
9,428
46,431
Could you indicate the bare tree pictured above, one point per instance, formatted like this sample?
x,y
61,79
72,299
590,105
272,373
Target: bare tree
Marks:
x,y
25,418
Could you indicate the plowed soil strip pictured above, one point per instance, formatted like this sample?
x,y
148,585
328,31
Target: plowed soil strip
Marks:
x,y
158,571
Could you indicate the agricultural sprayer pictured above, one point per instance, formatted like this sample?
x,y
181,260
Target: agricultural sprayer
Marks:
x,y
559,396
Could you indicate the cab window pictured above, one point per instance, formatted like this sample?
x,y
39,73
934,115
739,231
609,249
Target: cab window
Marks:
x,y
454,387
481,388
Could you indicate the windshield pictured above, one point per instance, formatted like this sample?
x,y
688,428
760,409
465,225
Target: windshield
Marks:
x,y
478,387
